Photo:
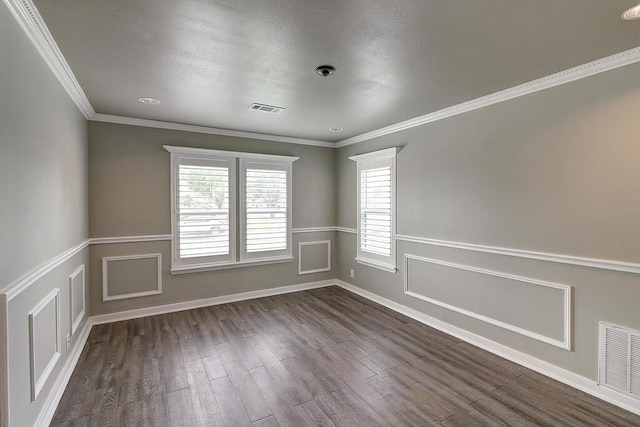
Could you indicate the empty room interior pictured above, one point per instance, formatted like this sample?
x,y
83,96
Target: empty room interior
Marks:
x,y
345,213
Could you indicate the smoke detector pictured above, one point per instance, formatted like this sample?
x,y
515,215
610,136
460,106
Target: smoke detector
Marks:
x,y
266,108
325,70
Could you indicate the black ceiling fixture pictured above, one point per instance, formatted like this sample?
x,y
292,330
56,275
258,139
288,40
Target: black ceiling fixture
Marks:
x,y
325,70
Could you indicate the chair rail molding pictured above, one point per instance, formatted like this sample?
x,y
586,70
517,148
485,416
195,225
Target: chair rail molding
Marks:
x,y
605,264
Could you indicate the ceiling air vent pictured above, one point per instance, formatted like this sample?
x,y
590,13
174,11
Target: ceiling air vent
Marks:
x,y
266,108
619,359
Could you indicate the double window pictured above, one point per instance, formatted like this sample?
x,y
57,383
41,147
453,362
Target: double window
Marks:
x,y
376,208
229,208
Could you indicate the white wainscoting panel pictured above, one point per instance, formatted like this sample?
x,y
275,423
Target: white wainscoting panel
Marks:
x,y
107,296
44,340
301,253
565,343
77,307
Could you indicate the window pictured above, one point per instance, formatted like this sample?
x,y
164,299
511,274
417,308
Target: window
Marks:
x,y
229,209
376,209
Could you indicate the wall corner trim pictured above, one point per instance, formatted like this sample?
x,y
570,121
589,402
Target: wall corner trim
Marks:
x,y
545,368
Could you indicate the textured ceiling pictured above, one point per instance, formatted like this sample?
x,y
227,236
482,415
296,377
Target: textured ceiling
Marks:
x,y
207,61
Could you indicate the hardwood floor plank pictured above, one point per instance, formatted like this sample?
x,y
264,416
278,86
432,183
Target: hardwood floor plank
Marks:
x,y
180,410
130,414
359,410
334,410
291,384
317,415
204,402
270,421
154,404
244,350
282,409
132,385
175,377
432,404
214,366
231,406
254,402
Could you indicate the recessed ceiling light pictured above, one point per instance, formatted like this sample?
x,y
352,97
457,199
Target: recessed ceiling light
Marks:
x,y
149,101
632,13
336,129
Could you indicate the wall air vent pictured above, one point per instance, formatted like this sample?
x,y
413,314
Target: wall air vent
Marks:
x,y
266,108
619,359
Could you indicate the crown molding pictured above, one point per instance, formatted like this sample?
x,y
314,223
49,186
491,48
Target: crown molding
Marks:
x,y
27,15
106,118
617,60
33,25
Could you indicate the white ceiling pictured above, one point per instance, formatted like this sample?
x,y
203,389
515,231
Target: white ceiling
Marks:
x,y
207,61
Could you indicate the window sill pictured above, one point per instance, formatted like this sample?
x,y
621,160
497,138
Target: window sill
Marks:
x,y
379,265
196,268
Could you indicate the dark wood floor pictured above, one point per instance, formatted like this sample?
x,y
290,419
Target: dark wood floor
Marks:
x,y
321,357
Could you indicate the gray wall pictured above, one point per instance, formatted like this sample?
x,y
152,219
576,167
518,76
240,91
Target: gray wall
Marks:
x,y
556,171
130,196
43,182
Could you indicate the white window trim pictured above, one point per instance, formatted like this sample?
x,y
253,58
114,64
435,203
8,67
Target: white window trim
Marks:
x,y
236,211
363,159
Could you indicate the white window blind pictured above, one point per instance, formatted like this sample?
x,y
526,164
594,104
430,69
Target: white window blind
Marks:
x,y
375,212
376,208
204,210
266,221
266,201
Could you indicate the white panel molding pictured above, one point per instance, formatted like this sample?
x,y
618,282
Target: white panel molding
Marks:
x,y
105,276
188,305
318,270
38,381
28,279
545,368
313,230
4,361
107,118
605,264
75,321
33,25
130,239
57,390
566,300
617,60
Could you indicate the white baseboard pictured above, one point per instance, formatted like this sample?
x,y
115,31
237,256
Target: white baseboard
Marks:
x,y
188,305
545,368
50,405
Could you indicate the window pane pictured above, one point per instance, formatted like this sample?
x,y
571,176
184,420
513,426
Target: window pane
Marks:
x,y
375,210
266,210
203,211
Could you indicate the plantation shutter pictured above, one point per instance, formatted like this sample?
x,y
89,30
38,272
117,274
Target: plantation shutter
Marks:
x,y
204,210
376,209
266,209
